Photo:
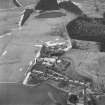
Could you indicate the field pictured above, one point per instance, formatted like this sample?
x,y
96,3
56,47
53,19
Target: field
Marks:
x,y
19,46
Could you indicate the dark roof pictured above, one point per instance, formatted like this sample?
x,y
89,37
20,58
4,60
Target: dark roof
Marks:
x,y
70,7
53,5
47,5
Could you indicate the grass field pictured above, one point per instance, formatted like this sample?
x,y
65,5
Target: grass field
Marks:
x,y
16,94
